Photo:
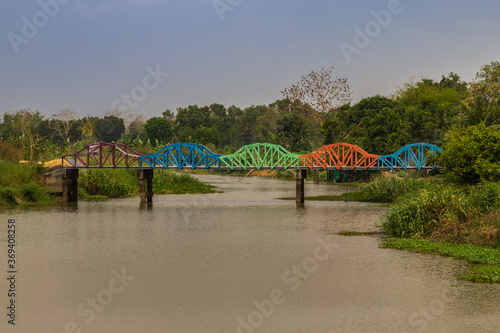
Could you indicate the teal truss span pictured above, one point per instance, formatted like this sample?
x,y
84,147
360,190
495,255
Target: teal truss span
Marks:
x,y
181,155
409,156
262,155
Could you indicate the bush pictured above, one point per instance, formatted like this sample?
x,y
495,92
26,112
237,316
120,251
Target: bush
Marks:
x,y
7,196
31,192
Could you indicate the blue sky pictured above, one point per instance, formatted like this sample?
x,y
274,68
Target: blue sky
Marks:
x,y
88,55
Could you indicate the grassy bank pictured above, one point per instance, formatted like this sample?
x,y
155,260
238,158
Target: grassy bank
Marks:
x,y
486,261
448,213
21,184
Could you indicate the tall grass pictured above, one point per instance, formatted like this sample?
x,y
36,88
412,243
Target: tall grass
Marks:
x,y
388,189
448,213
120,183
169,182
108,183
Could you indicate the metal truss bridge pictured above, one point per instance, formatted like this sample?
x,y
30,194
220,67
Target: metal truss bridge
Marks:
x,y
337,156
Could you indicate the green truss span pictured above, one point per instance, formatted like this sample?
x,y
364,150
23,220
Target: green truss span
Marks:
x,y
262,155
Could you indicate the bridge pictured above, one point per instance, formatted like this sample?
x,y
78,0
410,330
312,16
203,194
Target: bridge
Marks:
x,y
258,156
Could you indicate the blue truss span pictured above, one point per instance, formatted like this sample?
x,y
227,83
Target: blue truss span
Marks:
x,y
409,156
181,155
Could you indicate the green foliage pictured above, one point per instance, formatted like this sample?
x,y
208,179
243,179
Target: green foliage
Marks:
x,y
31,192
482,102
21,184
14,174
472,253
97,183
472,154
109,129
388,189
169,182
293,131
483,274
104,182
489,259
10,152
7,196
447,212
158,129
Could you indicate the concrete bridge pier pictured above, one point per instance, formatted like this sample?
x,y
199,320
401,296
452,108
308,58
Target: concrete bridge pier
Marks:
x,y
145,177
300,176
70,185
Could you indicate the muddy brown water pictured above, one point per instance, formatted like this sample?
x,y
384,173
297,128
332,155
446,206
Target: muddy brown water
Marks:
x,y
238,261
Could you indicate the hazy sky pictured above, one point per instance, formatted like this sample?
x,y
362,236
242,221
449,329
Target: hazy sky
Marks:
x,y
152,55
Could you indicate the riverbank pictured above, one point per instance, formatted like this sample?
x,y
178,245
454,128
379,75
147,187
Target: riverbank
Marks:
x,y
22,185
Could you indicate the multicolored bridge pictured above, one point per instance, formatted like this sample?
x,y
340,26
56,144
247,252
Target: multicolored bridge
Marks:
x,y
337,156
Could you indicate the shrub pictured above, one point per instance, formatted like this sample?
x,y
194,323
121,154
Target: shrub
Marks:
x,y
7,195
31,192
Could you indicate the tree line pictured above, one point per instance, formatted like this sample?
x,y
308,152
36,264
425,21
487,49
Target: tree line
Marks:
x,y
316,110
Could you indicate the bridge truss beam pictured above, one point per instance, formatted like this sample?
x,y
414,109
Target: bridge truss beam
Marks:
x,y
262,156
340,156
103,155
409,156
181,155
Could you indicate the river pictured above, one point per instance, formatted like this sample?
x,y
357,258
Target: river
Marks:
x,y
238,261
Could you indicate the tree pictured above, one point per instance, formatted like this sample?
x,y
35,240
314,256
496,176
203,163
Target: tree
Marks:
x,y
158,129
318,93
293,133
109,129
87,128
27,123
482,102
430,108
266,127
63,121
170,116
136,127
471,154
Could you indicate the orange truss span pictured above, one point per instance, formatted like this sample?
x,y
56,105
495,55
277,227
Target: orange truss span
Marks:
x,y
340,155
